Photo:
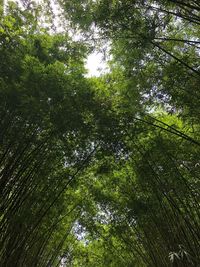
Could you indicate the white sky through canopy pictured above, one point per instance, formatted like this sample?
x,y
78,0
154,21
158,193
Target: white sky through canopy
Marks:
x,y
95,63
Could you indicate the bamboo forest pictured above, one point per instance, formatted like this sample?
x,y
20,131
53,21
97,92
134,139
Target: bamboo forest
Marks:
x,y
100,170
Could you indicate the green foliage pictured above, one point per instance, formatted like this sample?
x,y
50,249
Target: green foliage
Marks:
x,y
100,171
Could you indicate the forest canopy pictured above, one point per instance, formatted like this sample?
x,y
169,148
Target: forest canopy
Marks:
x,y
100,171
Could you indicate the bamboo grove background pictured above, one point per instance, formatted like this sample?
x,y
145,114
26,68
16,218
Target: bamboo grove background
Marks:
x,y
100,171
